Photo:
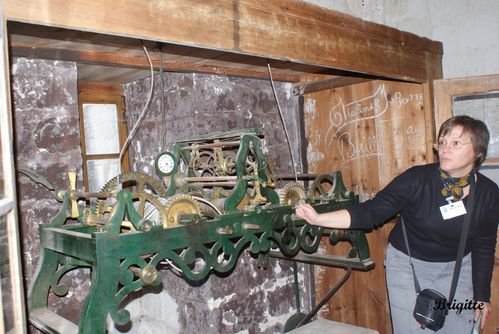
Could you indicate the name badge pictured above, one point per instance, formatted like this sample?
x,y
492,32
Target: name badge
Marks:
x,y
452,210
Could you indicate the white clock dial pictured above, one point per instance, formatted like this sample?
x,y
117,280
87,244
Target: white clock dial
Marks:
x,y
166,164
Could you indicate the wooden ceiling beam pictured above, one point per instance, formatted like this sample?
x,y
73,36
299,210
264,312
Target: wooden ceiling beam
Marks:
x,y
330,83
115,59
286,30
105,88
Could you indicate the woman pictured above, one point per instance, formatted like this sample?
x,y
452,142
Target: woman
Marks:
x,y
418,196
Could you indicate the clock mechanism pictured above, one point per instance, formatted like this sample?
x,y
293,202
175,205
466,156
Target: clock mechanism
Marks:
x,y
165,164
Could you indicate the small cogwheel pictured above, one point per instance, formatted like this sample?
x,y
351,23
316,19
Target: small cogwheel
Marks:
x,y
179,205
292,194
147,194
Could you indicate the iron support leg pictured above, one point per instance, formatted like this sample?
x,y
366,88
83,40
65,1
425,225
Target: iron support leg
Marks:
x,y
328,296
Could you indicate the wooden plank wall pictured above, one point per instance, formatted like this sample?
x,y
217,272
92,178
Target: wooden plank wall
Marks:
x,y
371,132
445,90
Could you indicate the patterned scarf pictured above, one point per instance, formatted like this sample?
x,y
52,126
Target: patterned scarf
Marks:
x,y
453,186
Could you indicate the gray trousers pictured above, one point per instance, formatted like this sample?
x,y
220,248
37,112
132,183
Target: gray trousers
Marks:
x,y
432,275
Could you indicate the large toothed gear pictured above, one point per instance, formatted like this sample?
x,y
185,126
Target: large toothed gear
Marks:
x,y
292,194
179,205
147,194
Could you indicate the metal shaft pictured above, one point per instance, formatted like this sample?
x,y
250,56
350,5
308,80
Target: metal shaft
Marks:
x,y
211,145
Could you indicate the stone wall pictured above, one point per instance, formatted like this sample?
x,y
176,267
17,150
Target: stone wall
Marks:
x,y
47,140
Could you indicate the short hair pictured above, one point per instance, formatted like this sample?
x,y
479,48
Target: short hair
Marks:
x,y
475,128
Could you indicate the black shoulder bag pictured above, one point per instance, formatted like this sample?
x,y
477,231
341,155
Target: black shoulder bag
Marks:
x,y
431,306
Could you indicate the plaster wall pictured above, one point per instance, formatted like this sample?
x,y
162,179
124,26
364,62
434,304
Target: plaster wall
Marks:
x,y
198,104
46,140
468,29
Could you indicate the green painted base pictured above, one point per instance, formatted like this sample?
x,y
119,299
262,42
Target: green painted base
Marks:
x,y
124,262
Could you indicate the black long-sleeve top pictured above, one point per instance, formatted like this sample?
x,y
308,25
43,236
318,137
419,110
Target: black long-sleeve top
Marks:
x,y
416,195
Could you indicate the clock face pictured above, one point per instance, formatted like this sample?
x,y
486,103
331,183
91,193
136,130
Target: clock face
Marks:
x,y
165,164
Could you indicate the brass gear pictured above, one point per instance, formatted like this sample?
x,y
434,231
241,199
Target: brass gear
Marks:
x,y
203,163
292,194
178,205
146,191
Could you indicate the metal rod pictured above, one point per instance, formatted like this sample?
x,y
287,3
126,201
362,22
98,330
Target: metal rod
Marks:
x,y
299,176
212,145
229,183
216,184
296,287
328,260
209,178
77,194
328,296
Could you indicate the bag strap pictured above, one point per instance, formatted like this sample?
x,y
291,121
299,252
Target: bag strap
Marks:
x,y
460,251
462,243
416,282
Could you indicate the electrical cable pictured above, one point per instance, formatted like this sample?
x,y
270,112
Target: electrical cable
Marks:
x,y
142,114
170,263
162,107
283,123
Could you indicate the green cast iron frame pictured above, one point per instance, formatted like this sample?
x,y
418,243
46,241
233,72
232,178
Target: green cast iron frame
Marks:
x,y
111,255
121,263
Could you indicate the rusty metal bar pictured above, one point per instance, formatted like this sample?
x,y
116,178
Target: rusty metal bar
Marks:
x,y
211,145
216,184
209,178
299,176
87,195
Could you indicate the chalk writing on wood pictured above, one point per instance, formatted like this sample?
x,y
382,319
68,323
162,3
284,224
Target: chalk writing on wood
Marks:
x,y
313,154
366,147
358,128
399,100
415,136
343,114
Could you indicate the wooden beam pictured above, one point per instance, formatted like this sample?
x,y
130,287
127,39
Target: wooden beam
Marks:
x,y
15,290
126,61
320,85
429,110
446,89
105,88
286,30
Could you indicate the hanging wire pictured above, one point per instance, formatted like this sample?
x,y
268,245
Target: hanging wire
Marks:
x,y
142,114
283,123
162,107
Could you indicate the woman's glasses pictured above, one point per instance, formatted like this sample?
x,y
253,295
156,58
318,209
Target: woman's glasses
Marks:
x,y
452,145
